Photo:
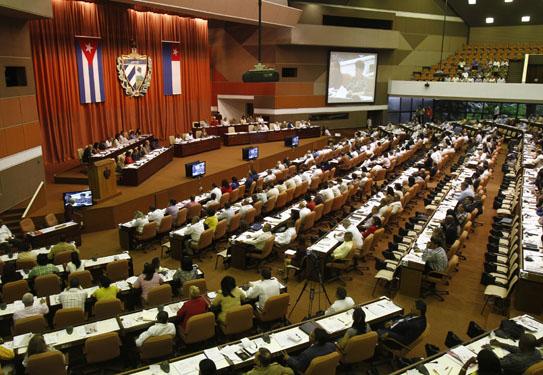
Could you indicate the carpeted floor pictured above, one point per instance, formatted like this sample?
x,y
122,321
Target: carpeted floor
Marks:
x,y
460,307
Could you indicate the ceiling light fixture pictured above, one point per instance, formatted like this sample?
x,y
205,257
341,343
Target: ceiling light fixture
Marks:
x,y
525,19
508,1
472,2
489,20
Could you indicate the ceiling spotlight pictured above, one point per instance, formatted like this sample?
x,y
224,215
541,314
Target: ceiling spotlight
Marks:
x,y
472,2
508,1
489,20
525,19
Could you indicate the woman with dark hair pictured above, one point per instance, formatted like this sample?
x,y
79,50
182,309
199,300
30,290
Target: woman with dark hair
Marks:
x,y
37,345
75,263
229,297
225,187
487,361
187,272
148,280
128,158
359,327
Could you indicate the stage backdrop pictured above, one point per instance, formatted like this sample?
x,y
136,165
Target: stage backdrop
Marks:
x,y
66,123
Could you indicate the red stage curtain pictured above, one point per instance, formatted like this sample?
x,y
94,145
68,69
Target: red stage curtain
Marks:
x,y
68,125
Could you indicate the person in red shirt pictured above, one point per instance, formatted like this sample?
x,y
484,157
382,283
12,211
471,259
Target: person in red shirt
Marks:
x,y
310,203
225,187
128,158
375,224
194,306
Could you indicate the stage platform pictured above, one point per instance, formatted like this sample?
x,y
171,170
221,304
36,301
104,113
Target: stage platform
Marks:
x,y
169,183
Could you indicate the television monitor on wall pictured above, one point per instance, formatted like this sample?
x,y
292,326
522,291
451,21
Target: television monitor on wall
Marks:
x,y
351,77
79,198
250,153
293,141
195,169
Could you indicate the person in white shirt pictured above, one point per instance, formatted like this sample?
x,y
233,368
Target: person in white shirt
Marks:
x,y
335,191
228,213
259,240
358,240
139,221
342,302
245,207
297,179
160,328
270,178
195,230
280,166
213,200
217,191
436,156
273,192
261,196
155,215
30,308
264,289
304,211
327,194
5,232
286,237
74,296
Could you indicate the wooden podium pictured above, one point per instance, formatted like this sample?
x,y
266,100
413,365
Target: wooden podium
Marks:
x,y
102,180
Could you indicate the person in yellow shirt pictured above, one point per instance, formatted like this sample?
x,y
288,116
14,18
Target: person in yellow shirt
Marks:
x,y
229,297
106,290
343,250
61,247
212,220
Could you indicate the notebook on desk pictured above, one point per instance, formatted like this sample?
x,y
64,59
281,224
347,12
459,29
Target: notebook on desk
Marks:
x,y
308,327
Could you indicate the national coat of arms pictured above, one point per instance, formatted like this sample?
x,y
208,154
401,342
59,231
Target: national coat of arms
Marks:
x,y
134,72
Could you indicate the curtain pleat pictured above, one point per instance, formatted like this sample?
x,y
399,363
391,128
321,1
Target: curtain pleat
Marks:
x,y
66,123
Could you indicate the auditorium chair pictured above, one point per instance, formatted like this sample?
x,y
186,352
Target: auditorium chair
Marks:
x,y
51,220
269,205
359,348
63,257
290,194
181,218
195,210
275,310
51,362
147,235
166,225
250,216
342,267
159,295
225,198
25,264
107,308
47,285
71,316
258,208
102,348
118,270
200,283
220,231
281,200
198,328
535,369
252,189
27,225
235,221
434,279
35,324
156,347
234,196
324,364
403,350
14,291
205,241
318,211
262,256
84,277
237,320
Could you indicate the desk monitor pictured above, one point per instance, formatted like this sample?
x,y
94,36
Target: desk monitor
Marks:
x,y
195,169
293,141
80,198
250,153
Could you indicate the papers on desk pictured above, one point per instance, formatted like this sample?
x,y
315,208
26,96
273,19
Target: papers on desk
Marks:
x,y
324,245
530,324
21,341
131,280
290,338
337,322
188,366
217,357
462,354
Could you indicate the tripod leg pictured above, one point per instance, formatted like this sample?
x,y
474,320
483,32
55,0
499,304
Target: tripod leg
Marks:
x,y
298,299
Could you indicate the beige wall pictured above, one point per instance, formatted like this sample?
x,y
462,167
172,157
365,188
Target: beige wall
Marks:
x,y
19,122
234,50
507,34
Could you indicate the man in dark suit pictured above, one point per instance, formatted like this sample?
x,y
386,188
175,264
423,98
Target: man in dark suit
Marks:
x,y
320,345
405,330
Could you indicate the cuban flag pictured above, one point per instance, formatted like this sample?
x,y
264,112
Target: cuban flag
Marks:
x,y
89,70
171,60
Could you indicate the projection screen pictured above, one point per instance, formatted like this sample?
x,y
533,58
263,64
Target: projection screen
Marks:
x,y
351,77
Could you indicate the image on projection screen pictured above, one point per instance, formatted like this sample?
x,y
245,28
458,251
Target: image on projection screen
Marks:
x,y
351,77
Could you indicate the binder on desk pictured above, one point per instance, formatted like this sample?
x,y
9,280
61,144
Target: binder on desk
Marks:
x,y
308,327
